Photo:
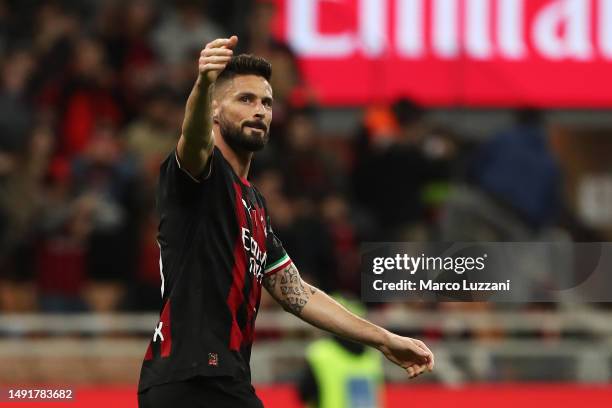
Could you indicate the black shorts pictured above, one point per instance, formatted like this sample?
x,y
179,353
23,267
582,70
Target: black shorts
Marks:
x,y
201,392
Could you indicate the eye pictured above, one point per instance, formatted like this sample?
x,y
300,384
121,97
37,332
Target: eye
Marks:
x,y
267,103
244,98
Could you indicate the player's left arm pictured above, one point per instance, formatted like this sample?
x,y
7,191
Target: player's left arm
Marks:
x,y
315,307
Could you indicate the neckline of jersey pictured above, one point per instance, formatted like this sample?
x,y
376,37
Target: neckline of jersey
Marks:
x,y
243,180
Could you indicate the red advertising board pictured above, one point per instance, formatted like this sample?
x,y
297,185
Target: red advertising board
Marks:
x,y
396,396
545,53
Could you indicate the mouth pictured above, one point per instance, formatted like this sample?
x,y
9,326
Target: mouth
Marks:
x,y
256,126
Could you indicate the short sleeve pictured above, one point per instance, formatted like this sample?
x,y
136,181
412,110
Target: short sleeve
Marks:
x,y
277,258
175,181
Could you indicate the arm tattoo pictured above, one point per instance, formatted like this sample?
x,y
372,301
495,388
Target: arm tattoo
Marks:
x,y
269,282
292,293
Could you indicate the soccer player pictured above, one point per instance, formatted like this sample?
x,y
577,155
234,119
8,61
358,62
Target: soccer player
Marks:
x,y
218,249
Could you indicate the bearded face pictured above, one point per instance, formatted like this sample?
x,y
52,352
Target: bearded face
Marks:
x,y
243,112
248,135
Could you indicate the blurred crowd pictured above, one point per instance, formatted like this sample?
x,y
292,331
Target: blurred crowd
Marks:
x,y
92,96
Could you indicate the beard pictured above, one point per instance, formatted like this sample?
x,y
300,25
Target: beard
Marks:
x,y
241,139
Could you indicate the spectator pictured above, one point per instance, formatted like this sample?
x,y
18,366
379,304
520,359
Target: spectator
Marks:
x,y
309,171
144,288
517,168
54,32
183,31
345,240
15,111
62,249
24,154
87,97
154,134
393,156
126,31
21,202
340,373
105,174
303,232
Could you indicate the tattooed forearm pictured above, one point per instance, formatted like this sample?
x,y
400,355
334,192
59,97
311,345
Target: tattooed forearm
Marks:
x,y
288,288
294,294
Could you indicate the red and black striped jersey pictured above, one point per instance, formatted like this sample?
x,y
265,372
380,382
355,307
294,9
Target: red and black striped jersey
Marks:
x,y
216,244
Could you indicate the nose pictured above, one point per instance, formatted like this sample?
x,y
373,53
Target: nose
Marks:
x,y
260,112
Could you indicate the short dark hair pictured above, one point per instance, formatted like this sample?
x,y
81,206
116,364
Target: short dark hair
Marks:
x,y
246,64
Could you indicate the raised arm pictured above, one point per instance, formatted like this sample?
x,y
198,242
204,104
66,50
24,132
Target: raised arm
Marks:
x,y
315,307
197,141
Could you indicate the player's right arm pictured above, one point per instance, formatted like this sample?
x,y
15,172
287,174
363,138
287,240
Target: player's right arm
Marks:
x,y
197,141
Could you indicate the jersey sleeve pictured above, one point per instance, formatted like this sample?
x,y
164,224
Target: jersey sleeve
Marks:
x,y
175,181
277,258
